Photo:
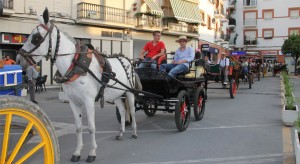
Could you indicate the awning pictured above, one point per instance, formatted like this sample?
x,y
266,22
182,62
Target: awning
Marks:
x,y
186,11
155,9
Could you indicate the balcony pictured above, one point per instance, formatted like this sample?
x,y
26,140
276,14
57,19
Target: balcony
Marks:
x,y
231,4
250,22
225,38
250,3
8,6
181,29
250,42
147,22
88,13
219,13
232,39
232,23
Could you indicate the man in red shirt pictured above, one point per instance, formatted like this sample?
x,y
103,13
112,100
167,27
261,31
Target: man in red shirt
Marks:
x,y
154,50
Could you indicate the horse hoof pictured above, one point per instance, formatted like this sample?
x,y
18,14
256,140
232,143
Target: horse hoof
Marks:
x,y
119,138
134,136
90,159
75,158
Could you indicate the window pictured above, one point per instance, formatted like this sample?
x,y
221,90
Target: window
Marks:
x,y
203,18
268,14
250,37
209,22
294,31
268,33
294,12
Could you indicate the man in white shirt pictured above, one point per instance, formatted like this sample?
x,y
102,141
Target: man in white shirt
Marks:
x,y
224,64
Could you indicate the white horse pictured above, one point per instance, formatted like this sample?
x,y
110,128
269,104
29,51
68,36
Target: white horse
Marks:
x,y
46,40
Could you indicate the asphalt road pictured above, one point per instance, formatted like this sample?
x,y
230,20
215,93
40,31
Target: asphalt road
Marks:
x,y
243,130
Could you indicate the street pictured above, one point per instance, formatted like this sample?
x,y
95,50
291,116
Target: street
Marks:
x,y
246,129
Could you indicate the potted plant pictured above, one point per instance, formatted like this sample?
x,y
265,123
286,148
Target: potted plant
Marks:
x,y
296,140
290,110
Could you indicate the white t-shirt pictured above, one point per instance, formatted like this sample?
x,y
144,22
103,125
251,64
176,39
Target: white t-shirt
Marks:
x,y
224,62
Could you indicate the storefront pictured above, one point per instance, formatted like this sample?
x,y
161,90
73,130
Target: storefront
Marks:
x,y
273,55
211,52
11,43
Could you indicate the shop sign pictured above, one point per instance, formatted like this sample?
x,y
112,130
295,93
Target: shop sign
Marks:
x,y
269,52
14,38
238,53
205,47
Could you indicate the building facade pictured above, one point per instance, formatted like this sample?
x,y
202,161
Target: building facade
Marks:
x,y
113,27
261,26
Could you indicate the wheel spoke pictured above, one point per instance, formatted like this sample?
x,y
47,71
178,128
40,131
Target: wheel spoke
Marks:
x,y
31,152
20,142
182,111
5,137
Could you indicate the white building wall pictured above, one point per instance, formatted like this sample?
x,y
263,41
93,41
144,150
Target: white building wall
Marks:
x,y
206,34
281,22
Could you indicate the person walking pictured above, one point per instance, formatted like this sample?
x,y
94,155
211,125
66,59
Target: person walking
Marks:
x,y
32,74
224,64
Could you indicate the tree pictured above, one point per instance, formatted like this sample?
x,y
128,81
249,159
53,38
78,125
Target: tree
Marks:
x,y
292,46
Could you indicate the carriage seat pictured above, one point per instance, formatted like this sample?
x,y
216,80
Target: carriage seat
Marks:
x,y
197,69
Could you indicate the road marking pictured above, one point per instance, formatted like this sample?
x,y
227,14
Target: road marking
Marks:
x,y
238,159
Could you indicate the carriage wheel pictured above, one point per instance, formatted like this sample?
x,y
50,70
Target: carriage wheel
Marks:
x,y
232,88
150,111
258,74
23,121
199,103
250,81
182,111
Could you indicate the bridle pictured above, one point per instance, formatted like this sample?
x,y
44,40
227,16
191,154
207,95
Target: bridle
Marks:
x,y
37,40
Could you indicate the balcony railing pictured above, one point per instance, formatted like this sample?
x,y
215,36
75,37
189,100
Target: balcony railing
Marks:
x,y
220,12
8,4
250,3
232,22
250,22
149,21
250,41
103,13
182,28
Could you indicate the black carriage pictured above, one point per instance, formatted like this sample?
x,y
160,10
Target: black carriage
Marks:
x,y
179,95
214,76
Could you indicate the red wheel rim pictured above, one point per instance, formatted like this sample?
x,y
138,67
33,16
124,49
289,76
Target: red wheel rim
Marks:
x,y
183,111
234,88
200,103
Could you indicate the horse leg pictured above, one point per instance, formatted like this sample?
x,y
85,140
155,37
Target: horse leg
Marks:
x,y
121,108
130,98
77,111
90,110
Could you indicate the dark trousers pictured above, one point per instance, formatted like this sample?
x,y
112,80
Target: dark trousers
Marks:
x,y
31,89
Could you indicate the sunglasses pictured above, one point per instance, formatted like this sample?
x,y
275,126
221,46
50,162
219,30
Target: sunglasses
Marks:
x,y
182,40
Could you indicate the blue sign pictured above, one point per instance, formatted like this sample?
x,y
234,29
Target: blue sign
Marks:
x,y
238,53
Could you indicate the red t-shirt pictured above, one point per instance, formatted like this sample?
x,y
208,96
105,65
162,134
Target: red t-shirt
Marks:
x,y
154,50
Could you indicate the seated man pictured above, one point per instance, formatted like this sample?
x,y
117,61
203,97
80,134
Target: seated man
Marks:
x,y
182,57
154,50
206,58
224,64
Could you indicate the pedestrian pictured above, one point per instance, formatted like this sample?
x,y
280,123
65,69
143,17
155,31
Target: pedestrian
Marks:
x,y
8,61
154,49
32,74
224,64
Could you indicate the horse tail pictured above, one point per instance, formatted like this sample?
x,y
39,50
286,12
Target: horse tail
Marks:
x,y
137,82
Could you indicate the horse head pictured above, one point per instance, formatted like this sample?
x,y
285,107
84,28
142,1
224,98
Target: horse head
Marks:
x,y
39,41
